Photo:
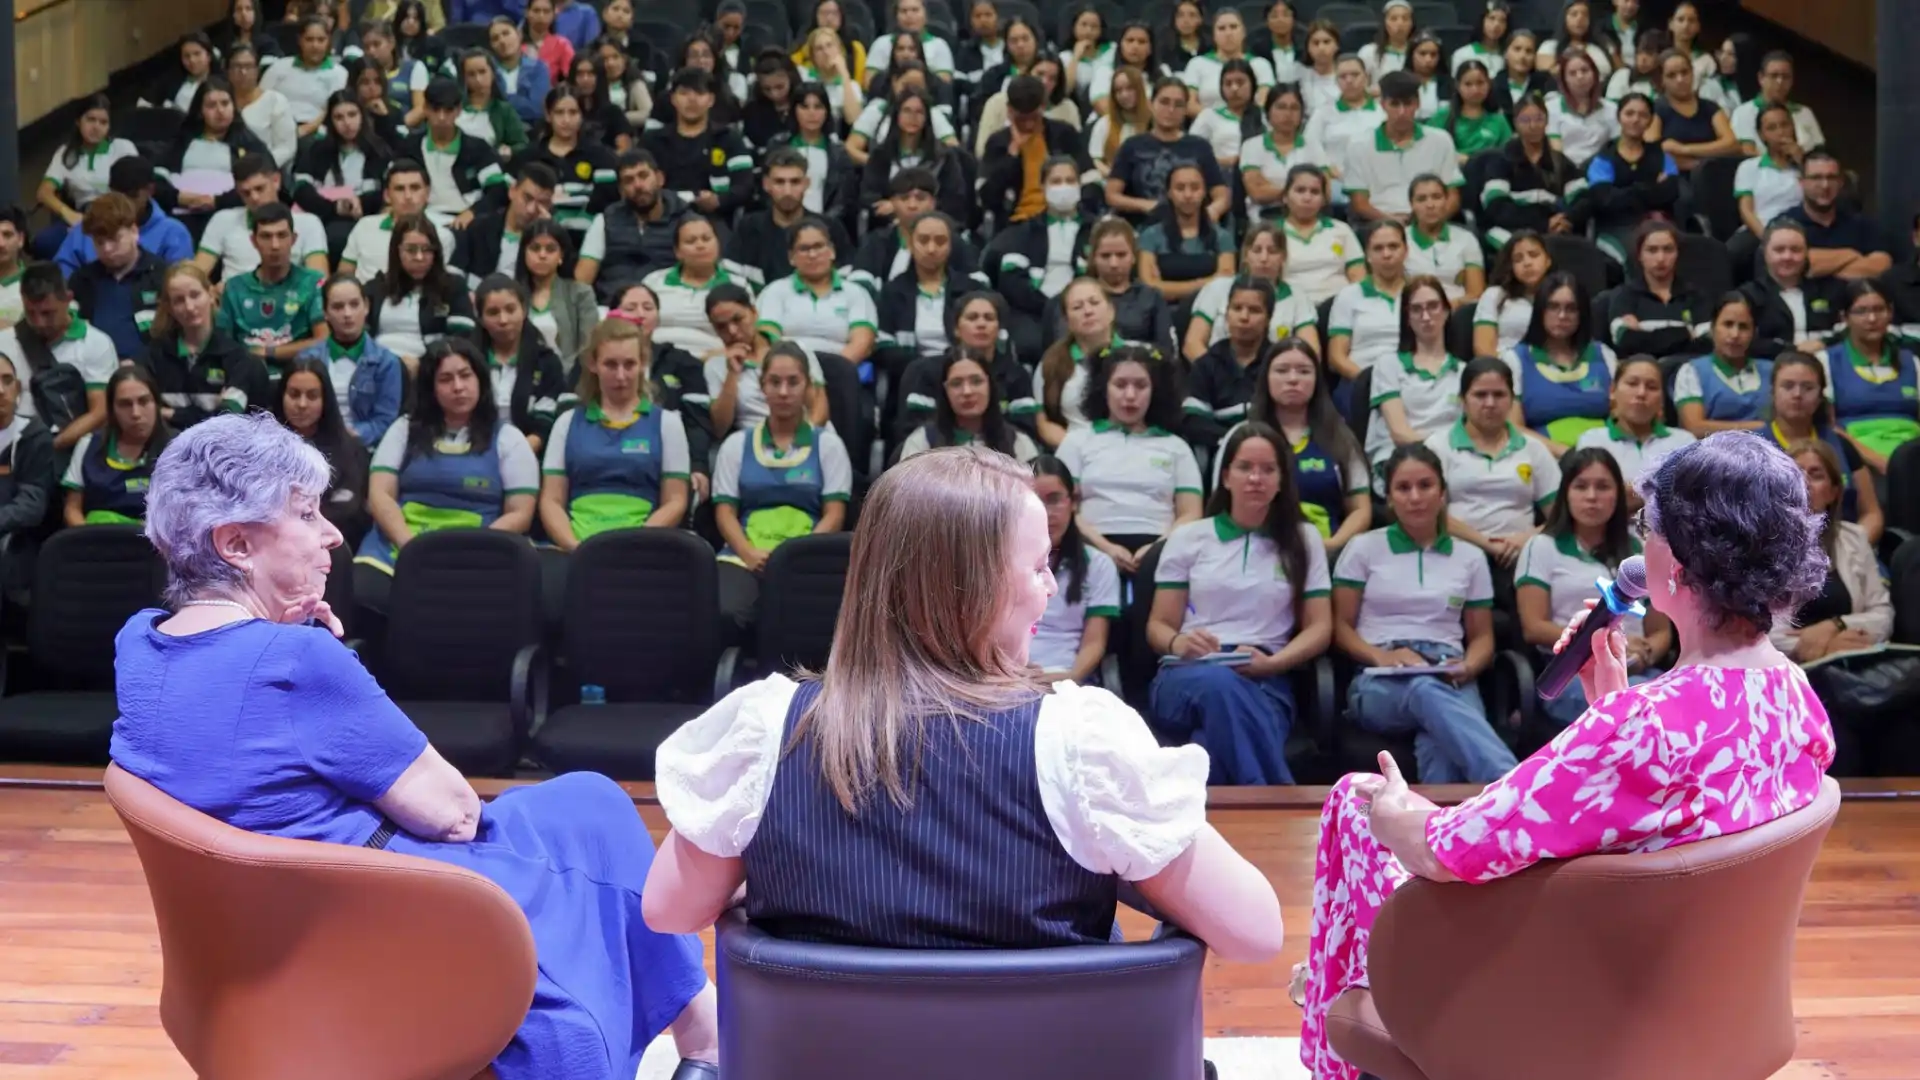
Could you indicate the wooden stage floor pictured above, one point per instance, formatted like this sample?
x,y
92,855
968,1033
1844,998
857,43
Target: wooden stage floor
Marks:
x,y
80,964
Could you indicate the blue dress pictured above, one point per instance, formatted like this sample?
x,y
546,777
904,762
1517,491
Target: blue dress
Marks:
x,y
279,730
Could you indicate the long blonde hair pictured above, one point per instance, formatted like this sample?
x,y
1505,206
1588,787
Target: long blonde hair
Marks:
x,y
163,326
1836,479
1141,118
612,331
913,646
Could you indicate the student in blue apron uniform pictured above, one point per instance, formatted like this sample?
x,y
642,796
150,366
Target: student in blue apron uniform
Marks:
x,y
1070,641
1409,595
617,460
1803,412
1012,830
778,479
454,463
1585,538
1562,375
1249,578
111,467
1726,390
1291,396
1875,382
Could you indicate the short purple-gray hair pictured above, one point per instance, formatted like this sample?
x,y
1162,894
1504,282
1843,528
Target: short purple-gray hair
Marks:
x,y
1733,507
237,469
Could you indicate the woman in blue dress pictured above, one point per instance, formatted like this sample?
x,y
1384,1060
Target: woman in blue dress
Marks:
x,y
239,702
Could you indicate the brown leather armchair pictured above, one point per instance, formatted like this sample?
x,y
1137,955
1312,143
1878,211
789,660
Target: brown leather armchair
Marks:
x,y
1674,964
306,961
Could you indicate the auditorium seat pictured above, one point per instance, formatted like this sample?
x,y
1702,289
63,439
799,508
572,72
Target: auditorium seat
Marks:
x,y
1582,258
1676,963
462,655
87,583
807,1011
307,961
800,595
642,624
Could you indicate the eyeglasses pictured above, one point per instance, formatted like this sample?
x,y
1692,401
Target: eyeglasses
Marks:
x,y
815,248
416,250
1428,309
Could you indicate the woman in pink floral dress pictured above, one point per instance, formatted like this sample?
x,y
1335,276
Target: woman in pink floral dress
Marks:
x,y
1731,738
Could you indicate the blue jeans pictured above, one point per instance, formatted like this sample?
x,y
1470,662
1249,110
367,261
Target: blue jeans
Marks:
x,y
1572,703
1452,741
1242,723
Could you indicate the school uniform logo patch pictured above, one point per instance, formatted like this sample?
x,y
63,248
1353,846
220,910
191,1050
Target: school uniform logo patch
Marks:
x,y
1311,464
583,170
636,446
1525,472
719,156
476,483
267,308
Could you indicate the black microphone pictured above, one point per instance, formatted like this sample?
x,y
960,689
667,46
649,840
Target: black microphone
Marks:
x,y
1619,598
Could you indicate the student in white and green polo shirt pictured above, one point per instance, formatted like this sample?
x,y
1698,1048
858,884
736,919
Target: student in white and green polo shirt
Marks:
x,y
1071,639
1634,433
1496,477
1138,480
1411,595
1251,578
1585,538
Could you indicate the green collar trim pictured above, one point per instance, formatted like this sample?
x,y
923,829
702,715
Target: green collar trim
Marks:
x,y
1385,144
1229,530
337,351
1369,289
597,415
1299,140
1621,434
1459,439
1109,425
1400,543
1078,355
674,279
452,149
1446,370
1420,238
1726,371
763,439
76,329
1369,105
800,284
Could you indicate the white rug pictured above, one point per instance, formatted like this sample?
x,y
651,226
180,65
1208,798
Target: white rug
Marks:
x,y
1237,1059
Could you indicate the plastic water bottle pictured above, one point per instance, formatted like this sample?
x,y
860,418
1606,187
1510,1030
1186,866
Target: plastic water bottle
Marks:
x,y
593,695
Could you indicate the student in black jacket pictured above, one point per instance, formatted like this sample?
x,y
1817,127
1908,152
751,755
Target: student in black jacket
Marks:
x,y
910,143
529,382
586,173
883,253
491,245
1655,312
910,329
835,179
1528,188
708,165
1004,192
179,86
479,185
1627,182
348,157
1791,311
1520,80
760,244
214,136
201,372
26,484
1032,261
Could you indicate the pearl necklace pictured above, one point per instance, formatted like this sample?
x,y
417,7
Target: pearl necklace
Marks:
x,y
236,605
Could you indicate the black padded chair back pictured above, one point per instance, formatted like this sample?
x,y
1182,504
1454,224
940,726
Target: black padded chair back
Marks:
x,y
803,583
1582,258
464,601
800,1009
87,583
1359,404
852,423
151,129
641,615
1460,330
459,37
1474,174
1706,268
1713,195
1903,488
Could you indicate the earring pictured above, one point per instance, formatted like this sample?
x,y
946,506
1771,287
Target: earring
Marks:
x,y
1673,584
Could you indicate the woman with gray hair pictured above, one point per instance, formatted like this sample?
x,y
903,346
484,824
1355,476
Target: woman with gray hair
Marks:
x,y
241,703
1730,738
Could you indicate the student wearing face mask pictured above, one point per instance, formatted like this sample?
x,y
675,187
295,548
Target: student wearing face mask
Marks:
x,y
1032,262
1017,177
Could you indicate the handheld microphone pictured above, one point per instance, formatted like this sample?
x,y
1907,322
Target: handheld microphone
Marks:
x,y
1619,598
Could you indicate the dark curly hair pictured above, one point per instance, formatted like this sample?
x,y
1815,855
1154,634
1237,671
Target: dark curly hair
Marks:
x,y
1733,507
1163,407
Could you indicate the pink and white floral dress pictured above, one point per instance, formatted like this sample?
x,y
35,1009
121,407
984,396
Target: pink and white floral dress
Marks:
x,y
1697,753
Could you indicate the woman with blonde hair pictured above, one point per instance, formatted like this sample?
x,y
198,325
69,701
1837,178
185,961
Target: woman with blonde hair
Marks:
x,y
1129,112
199,370
1060,380
616,460
823,59
1113,260
847,803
